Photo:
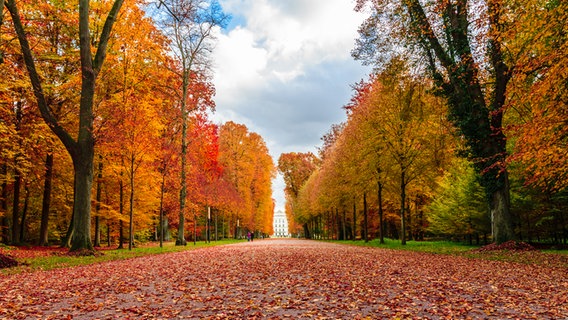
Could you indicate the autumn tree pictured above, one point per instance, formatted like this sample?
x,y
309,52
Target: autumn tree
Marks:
x,y
81,148
444,36
408,125
190,25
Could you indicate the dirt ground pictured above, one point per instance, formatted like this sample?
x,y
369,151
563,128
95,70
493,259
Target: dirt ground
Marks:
x,y
289,279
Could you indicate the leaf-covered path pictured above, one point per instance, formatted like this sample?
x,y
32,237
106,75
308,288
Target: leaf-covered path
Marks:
x,y
278,279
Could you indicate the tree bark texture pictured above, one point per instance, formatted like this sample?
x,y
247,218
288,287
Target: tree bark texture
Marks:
x,y
365,218
402,207
4,227
98,204
46,201
381,222
16,208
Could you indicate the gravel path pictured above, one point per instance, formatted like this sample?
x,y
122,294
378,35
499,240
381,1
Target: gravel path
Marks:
x,y
296,279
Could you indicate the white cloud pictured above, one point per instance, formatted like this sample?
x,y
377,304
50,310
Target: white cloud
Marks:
x,y
284,70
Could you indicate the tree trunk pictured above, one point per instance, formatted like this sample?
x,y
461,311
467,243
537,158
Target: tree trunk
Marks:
x,y
194,228
161,224
16,208
121,212
108,232
307,231
501,216
402,207
381,222
365,217
46,201
409,227
344,222
66,241
4,228
354,230
98,204
131,207
24,214
180,241
81,239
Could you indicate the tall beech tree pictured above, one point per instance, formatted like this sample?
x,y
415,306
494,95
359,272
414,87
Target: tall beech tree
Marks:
x,y
81,148
190,25
447,39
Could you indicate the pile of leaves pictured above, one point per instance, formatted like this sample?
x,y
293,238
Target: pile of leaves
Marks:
x,y
516,246
7,261
84,253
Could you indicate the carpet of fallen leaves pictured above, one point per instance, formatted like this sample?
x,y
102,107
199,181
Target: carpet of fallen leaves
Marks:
x,y
278,279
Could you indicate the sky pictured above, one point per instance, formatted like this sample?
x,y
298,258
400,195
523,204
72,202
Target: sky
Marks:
x,y
284,69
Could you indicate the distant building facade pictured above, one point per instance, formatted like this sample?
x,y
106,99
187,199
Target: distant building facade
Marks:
x,y
280,224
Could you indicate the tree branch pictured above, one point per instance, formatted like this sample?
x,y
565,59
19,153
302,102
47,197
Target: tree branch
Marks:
x,y
44,108
417,14
105,36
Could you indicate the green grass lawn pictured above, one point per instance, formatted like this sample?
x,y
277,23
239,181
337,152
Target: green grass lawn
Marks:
x,y
553,258
444,247
57,258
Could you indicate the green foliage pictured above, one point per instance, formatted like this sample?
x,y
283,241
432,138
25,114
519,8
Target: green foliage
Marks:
x,y
459,207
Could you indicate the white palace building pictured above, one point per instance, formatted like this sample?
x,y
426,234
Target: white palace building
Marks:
x,y
280,223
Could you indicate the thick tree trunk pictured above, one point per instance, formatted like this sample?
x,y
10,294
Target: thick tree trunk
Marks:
x,y
501,216
46,201
81,239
